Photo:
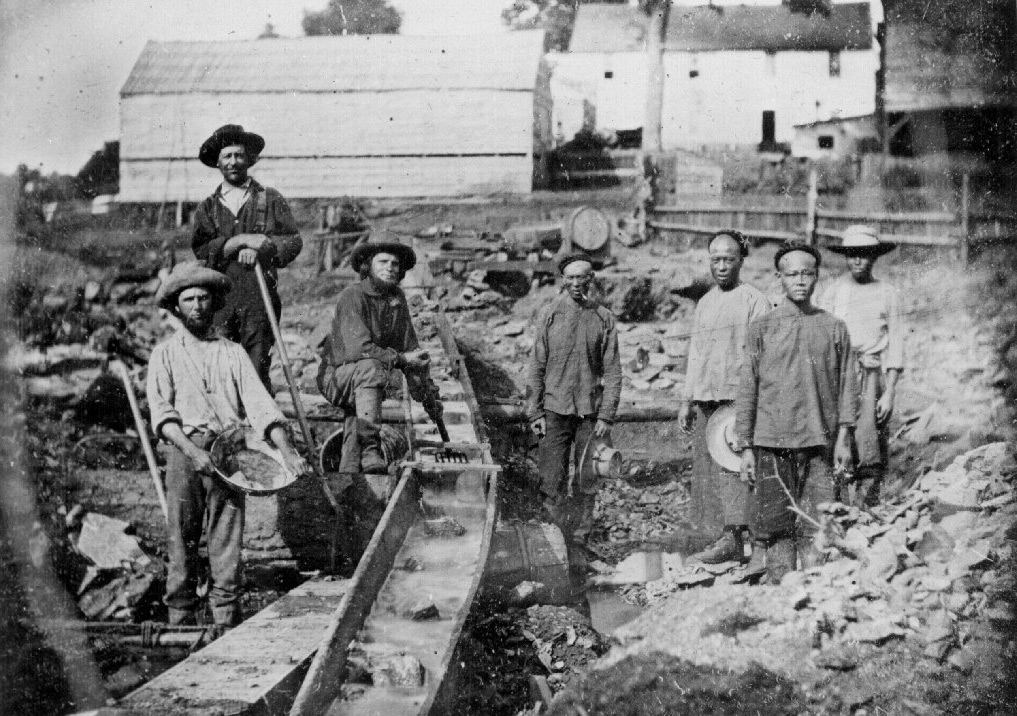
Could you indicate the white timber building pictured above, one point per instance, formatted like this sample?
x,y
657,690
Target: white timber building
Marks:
x,y
361,116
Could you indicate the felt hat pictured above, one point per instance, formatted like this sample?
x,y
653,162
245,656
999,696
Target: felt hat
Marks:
x,y
721,440
862,240
789,246
225,136
188,275
367,251
571,259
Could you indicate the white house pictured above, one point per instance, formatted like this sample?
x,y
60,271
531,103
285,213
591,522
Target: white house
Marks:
x,y
734,75
381,115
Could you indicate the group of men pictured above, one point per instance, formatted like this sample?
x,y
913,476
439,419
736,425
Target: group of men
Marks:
x,y
813,386
793,372
212,374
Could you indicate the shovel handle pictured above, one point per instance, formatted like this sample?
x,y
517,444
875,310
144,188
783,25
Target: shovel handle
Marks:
x,y
305,427
121,370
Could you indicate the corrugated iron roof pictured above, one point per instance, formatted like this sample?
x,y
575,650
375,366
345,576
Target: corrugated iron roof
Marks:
x,y
769,27
339,64
704,28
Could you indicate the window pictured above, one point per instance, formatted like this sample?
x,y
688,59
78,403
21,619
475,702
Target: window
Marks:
x,y
769,127
608,75
693,73
834,64
825,141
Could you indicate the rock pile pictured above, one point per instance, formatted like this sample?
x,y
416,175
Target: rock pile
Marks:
x,y
925,580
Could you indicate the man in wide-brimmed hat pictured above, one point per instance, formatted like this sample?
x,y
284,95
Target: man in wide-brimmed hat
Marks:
x,y
371,336
240,224
200,384
796,407
573,387
871,309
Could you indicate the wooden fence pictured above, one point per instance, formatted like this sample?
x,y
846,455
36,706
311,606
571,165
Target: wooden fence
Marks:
x,y
958,229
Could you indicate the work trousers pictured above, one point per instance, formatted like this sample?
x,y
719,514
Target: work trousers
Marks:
x,y
719,497
339,386
191,498
807,475
250,328
194,499
564,435
872,441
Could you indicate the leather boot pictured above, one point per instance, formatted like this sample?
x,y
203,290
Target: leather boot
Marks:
x,y
781,558
756,567
729,548
368,400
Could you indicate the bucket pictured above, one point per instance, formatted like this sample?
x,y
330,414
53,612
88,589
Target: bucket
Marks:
x,y
607,461
393,447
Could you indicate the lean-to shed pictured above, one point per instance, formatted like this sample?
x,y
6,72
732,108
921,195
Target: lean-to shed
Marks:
x,y
379,115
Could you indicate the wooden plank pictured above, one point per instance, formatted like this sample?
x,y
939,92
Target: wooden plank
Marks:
x,y
906,239
324,678
252,669
710,230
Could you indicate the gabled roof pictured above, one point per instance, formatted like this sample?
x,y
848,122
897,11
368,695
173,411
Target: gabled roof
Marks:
x,y
703,28
769,27
508,60
608,28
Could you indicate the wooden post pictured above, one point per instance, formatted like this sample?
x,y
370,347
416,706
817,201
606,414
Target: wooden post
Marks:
x,y
180,214
652,142
965,211
810,210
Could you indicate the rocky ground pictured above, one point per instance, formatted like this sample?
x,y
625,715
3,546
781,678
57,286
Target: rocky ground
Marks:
x,y
919,588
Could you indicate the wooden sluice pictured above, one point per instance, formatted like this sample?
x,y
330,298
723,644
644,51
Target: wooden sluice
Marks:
x,y
406,603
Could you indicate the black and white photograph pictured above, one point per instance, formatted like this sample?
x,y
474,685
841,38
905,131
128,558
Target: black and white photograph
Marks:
x,y
508,357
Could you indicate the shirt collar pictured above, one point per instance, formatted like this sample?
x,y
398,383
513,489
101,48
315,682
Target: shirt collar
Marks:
x,y
227,188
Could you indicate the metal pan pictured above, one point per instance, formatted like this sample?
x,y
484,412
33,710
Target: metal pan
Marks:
x,y
246,463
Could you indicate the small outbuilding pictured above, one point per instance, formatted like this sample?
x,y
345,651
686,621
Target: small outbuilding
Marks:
x,y
370,116
836,138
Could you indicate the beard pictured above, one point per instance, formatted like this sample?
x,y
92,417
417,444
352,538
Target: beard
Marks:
x,y
199,325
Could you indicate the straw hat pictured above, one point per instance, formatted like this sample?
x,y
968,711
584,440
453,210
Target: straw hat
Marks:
x,y
721,439
367,251
862,240
188,275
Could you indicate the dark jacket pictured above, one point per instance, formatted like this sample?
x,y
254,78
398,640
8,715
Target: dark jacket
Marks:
x,y
264,212
369,323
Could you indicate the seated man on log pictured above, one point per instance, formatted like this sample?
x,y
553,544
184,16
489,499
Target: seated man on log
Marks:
x,y
797,405
199,385
573,390
371,336
871,310
719,498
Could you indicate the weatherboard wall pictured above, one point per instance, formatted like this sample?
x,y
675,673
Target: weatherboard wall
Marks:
x,y
356,116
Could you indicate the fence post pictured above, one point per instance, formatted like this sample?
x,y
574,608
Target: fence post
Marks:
x,y
810,211
965,211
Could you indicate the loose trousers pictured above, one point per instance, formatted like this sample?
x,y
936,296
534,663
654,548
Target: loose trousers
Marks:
x,y
807,475
719,497
190,497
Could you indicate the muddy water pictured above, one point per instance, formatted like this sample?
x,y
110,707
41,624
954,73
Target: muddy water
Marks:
x,y
443,570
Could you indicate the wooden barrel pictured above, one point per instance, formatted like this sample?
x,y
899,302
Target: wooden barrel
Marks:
x,y
587,229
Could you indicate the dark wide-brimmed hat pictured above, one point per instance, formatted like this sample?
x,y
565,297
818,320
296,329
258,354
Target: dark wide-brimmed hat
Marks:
x,y
862,240
225,136
189,275
367,251
789,246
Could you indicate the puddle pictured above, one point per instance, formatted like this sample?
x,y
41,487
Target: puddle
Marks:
x,y
608,610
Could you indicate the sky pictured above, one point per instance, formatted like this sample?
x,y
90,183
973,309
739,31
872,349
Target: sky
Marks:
x,y
63,62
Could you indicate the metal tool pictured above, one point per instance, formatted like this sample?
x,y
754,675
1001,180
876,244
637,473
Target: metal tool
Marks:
x,y
120,369
444,454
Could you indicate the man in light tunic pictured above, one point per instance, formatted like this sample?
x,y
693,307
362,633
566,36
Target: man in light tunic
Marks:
x,y
871,309
719,497
199,385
